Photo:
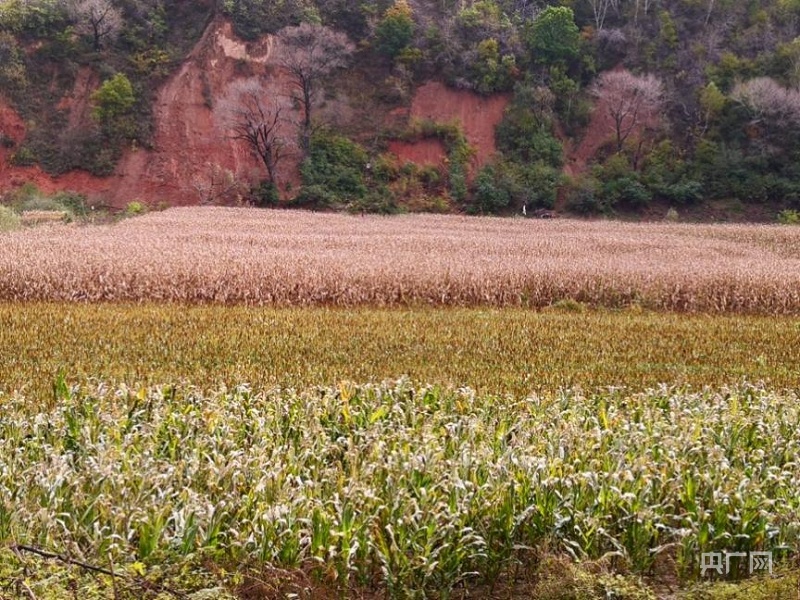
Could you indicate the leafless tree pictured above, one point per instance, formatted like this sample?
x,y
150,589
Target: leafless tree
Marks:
x,y
600,10
256,120
643,5
99,19
632,101
217,184
310,53
768,101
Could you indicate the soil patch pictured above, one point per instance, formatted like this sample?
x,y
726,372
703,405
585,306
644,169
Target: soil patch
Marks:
x,y
477,115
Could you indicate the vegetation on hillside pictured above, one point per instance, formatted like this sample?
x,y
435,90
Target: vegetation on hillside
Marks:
x,y
700,94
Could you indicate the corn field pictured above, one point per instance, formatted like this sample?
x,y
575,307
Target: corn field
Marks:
x,y
222,255
402,487
498,351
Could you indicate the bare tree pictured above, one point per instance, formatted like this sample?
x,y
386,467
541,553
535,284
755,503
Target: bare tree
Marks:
x,y
768,101
310,53
256,121
632,101
99,19
600,10
217,184
644,5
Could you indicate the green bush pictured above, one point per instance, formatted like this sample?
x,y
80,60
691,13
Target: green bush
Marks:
x,y
114,103
684,192
251,18
25,192
493,72
24,157
265,194
490,194
628,191
13,76
41,203
789,217
37,17
508,184
554,37
113,99
379,200
73,202
135,208
315,196
9,220
396,30
522,136
335,168
458,151
583,196
525,133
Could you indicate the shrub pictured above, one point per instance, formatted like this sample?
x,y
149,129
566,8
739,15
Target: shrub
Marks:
x,y
113,105
554,36
13,77
492,72
458,151
335,167
41,203
73,202
525,133
396,30
385,168
9,220
684,192
315,196
522,137
506,184
24,157
251,18
265,194
789,217
380,200
113,99
490,194
25,192
626,190
583,196
135,208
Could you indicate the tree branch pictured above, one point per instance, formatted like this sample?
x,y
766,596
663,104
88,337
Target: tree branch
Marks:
x,y
94,569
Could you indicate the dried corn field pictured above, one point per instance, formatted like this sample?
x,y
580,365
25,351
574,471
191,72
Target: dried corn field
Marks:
x,y
222,255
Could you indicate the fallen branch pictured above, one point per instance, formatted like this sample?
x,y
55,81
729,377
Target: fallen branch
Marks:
x,y
95,569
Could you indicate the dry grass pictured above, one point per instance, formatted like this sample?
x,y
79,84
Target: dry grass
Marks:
x,y
38,217
298,258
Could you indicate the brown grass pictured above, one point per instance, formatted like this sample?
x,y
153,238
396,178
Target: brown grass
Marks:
x,y
38,217
297,258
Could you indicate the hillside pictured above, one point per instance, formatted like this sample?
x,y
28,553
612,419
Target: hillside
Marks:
x,y
628,107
